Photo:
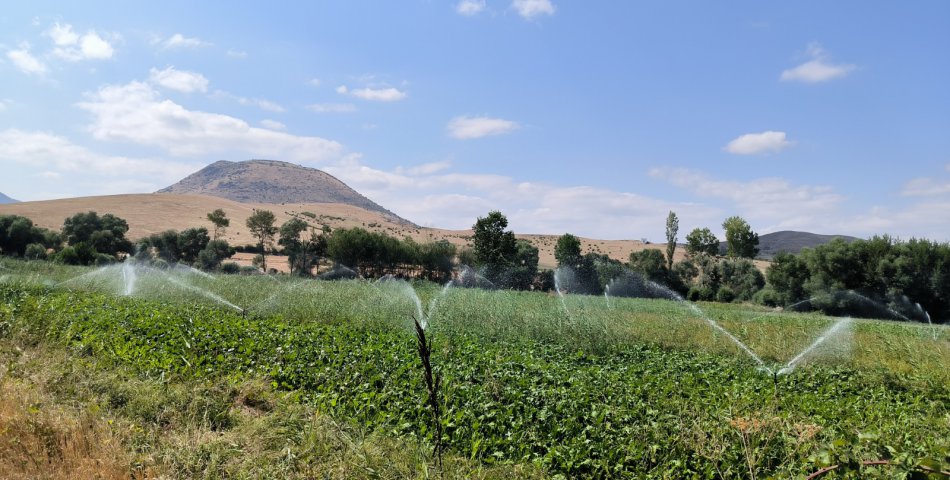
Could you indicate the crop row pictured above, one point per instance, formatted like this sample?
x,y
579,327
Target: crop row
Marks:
x,y
637,410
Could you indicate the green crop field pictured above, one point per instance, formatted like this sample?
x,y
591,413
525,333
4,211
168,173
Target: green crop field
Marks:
x,y
572,386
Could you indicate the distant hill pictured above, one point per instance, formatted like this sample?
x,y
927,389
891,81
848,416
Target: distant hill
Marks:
x,y
792,242
273,182
6,199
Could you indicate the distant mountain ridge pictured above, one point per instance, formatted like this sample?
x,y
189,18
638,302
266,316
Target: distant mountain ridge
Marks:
x,y
789,241
271,181
6,199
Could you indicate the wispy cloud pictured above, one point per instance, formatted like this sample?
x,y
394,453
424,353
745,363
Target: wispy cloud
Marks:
x,y
180,80
818,69
469,127
57,155
332,107
239,54
273,125
137,113
529,9
24,61
381,94
250,102
756,143
470,7
73,47
180,41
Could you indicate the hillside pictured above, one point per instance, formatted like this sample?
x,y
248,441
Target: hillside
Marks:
x,y
5,199
273,182
793,242
153,213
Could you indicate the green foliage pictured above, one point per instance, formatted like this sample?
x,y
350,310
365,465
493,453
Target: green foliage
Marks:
x,y
524,267
701,241
899,274
191,242
375,254
230,268
494,248
303,253
18,233
672,229
741,241
261,225
105,234
567,252
213,254
220,221
79,254
650,263
741,277
634,411
35,251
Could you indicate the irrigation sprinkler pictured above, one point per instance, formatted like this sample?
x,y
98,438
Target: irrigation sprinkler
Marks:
x,y
433,383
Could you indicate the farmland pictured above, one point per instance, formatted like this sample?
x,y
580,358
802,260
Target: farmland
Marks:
x,y
574,386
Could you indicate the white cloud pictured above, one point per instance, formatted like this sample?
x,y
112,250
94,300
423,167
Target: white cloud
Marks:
x,y
314,82
532,8
180,80
251,102
756,143
772,201
24,61
467,127
923,187
382,94
430,195
236,54
273,125
470,7
332,107
57,155
136,113
817,69
180,41
74,47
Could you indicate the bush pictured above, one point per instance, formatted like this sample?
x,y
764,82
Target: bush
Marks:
x,y
160,264
35,251
230,268
768,297
725,295
103,259
246,270
701,294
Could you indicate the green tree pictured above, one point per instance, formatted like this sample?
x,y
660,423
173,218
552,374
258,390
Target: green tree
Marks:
x,y
787,276
302,254
261,225
650,263
524,266
672,229
494,248
567,252
220,221
740,239
18,233
105,234
213,254
701,241
191,242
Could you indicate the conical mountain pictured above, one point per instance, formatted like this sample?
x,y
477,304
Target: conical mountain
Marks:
x,y
270,181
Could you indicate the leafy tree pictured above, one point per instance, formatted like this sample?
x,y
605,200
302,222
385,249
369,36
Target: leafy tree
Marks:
x,y
568,250
701,241
261,225
435,258
650,263
494,248
220,221
105,234
213,254
302,254
35,251
18,233
787,276
191,242
672,229
741,240
740,277
524,267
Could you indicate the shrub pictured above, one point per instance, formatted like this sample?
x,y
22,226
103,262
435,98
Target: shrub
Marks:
x,y
35,251
768,297
701,294
725,295
230,268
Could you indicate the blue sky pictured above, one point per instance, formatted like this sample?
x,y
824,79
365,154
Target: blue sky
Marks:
x,y
595,118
